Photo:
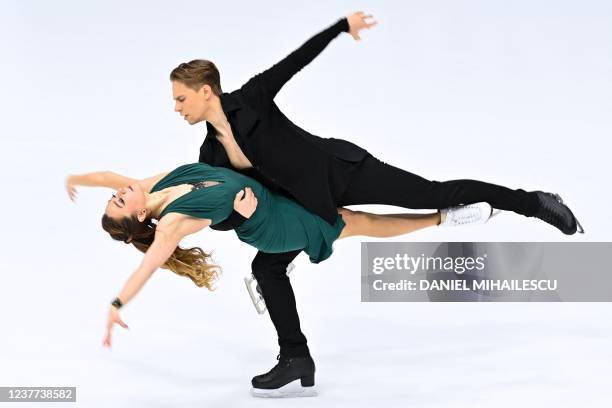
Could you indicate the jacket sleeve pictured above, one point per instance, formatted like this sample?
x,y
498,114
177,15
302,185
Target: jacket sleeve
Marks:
x,y
264,86
208,152
233,221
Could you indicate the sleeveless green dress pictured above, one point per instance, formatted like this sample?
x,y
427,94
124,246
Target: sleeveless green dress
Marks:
x,y
279,224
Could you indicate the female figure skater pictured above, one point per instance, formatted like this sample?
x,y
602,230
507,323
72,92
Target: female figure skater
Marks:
x,y
198,195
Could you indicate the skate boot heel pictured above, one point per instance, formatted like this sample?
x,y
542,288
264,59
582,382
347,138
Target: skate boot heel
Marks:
x,y
307,381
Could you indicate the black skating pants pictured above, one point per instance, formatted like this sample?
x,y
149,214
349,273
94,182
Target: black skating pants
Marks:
x,y
375,182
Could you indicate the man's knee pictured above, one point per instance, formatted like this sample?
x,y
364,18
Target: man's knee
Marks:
x,y
259,267
266,264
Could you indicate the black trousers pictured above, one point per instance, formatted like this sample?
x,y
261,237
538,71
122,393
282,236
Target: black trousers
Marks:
x,y
375,182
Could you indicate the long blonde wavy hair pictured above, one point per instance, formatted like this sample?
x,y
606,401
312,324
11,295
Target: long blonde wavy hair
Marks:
x,y
191,262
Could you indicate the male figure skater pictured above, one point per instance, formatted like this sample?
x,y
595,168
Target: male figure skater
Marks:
x,y
249,133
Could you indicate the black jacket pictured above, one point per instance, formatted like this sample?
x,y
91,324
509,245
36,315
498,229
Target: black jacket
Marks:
x,y
284,156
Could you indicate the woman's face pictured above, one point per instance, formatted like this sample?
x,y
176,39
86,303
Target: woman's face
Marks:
x,y
127,201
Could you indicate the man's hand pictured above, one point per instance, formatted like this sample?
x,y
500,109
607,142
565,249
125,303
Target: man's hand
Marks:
x,y
357,22
245,203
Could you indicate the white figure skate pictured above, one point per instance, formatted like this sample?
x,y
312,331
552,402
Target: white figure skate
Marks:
x,y
255,291
470,214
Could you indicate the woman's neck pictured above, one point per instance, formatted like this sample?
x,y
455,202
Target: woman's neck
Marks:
x,y
155,202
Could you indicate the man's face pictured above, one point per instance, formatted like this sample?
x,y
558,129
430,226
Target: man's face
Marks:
x,y
191,104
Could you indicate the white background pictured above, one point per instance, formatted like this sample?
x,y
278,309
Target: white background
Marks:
x,y
514,93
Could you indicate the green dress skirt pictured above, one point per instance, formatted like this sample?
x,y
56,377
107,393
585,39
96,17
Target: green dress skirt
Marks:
x,y
279,224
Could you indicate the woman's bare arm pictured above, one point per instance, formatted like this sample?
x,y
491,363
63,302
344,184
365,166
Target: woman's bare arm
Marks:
x,y
169,232
148,183
100,179
108,179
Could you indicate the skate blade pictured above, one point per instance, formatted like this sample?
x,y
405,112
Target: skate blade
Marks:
x,y
495,213
579,227
292,390
290,268
256,298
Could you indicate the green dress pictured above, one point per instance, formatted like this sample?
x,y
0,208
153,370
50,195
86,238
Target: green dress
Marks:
x,y
279,224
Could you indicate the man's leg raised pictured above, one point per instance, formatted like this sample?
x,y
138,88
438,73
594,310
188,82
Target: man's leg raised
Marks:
x,y
376,182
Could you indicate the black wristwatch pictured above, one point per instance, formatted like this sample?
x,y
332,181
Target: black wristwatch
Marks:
x,y
117,303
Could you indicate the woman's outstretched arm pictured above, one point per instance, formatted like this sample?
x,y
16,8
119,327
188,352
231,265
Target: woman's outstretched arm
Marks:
x,y
108,179
171,229
168,233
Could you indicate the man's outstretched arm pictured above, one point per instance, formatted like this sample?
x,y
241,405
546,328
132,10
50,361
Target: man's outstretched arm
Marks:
x,y
266,85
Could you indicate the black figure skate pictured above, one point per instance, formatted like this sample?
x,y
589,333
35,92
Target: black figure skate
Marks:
x,y
553,211
281,380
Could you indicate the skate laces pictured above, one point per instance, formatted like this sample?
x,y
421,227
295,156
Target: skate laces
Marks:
x,y
554,211
549,211
559,217
281,361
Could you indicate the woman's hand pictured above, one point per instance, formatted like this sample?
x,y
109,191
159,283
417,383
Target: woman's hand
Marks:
x,y
113,317
245,203
357,22
71,188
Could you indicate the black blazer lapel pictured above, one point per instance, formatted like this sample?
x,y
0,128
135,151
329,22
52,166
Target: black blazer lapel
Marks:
x,y
244,118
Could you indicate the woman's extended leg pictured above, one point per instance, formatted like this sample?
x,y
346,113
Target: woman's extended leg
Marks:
x,y
383,226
